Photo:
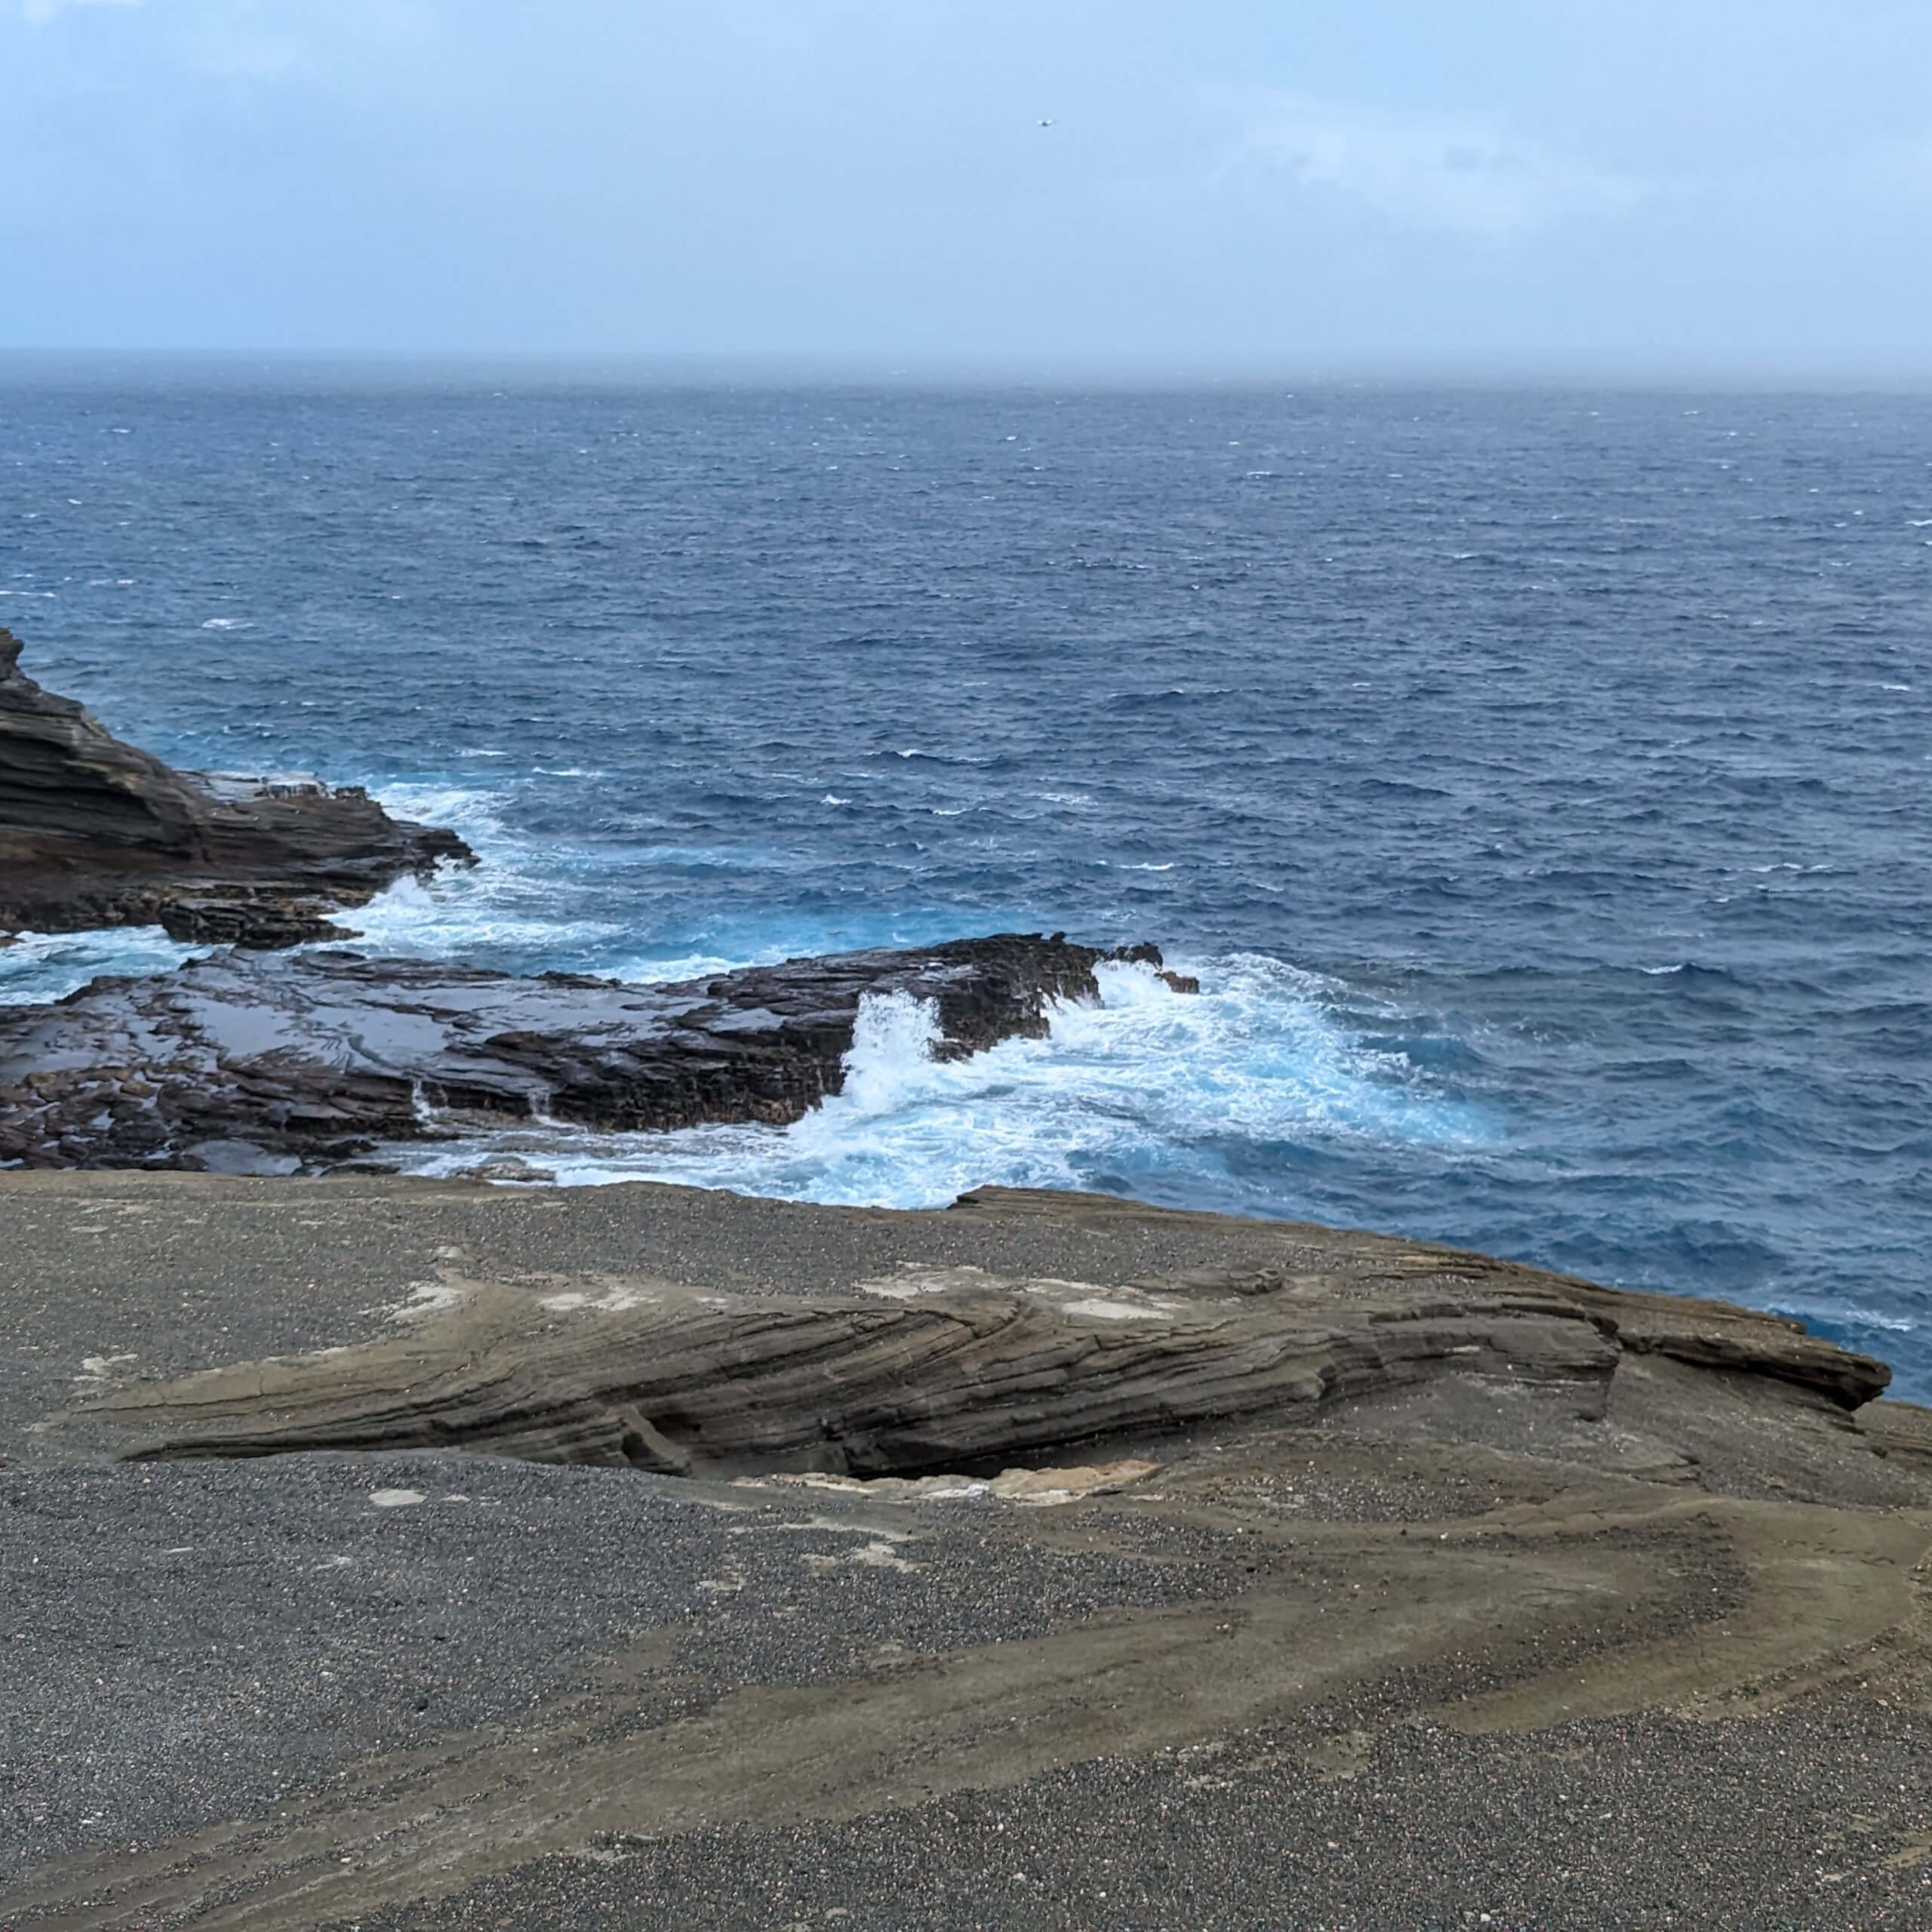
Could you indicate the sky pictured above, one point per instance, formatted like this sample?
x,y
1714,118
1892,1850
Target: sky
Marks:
x,y
1509,188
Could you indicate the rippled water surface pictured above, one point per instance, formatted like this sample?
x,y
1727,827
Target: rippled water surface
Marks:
x,y
1538,784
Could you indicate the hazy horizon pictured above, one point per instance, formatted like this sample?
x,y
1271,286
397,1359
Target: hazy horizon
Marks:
x,y
408,367
1104,193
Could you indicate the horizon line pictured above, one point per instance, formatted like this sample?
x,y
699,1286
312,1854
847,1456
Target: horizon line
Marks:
x,y
1146,371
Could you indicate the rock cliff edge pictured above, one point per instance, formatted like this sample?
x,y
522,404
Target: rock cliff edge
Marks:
x,y
95,832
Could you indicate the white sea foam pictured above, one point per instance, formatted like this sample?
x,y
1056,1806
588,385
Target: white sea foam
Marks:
x,y
459,914
1257,1059
646,969
41,967
1841,1313
506,903
475,815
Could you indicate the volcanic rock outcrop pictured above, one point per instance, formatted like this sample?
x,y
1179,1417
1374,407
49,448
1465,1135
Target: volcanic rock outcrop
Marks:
x,y
929,1383
94,832
245,1064
946,1368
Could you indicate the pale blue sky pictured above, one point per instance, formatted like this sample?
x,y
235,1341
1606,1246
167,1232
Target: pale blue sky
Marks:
x,y
1508,186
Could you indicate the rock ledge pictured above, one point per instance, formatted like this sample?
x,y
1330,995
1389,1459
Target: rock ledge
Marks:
x,y
94,832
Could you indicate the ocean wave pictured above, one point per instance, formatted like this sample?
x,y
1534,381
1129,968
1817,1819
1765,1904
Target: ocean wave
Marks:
x,y
1174,695
477,815
1119,1089
1691,970
41,967
480,918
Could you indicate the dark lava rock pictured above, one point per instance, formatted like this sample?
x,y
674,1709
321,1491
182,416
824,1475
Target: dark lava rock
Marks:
x,y
321,1056
503,1167
94,833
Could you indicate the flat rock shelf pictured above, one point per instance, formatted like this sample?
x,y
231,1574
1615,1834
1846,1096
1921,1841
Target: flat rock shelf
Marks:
x,y
248,1064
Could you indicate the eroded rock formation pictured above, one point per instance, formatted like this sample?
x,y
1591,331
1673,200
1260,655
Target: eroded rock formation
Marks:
x,y
239,1062
881,1388
94,832
950,1368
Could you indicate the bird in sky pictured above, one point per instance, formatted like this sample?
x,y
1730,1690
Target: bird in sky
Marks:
x,y
1046,124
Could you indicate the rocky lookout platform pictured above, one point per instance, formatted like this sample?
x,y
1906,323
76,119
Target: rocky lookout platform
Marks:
x,y
392,1554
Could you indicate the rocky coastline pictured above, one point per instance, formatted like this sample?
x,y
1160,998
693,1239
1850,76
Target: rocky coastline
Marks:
x,y
94,832
392,1554
245,1063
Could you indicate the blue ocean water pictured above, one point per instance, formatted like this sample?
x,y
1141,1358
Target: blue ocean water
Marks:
x,y
1537,782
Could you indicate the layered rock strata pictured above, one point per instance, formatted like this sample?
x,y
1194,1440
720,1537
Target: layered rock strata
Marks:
x,y
950,1368
94,832
972,1372
246,1064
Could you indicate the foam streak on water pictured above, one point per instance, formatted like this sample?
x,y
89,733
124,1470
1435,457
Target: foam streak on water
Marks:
x,y
43,967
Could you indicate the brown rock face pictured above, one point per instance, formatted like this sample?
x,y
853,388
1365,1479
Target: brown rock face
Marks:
x,y
935,1380
94,832
257,1066
935,1368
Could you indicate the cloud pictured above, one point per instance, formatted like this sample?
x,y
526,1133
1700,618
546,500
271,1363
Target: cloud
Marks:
x,y
1446,171
39,12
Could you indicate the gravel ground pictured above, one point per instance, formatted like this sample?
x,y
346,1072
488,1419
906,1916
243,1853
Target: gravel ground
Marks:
x,y
1818,1819
1432,1664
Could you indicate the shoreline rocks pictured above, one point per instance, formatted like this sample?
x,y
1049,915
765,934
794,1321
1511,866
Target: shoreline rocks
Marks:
x,y
245,1064
94,832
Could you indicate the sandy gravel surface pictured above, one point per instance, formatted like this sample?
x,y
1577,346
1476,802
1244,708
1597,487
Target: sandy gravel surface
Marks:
x,y
1454,1651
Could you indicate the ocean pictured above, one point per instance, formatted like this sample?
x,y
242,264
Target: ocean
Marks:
x,y
1536,781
